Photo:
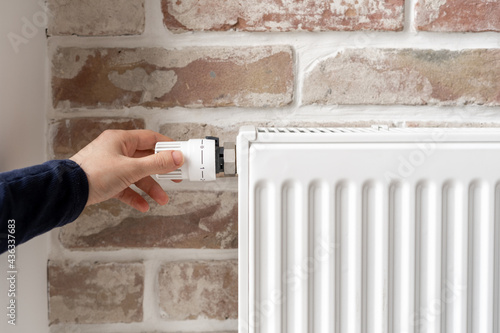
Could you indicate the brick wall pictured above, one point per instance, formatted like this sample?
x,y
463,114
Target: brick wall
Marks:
x,y
191,68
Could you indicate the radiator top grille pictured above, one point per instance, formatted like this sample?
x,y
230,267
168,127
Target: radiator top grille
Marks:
x,y
374,129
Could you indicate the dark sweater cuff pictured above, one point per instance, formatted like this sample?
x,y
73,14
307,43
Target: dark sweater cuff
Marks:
x,y
81,189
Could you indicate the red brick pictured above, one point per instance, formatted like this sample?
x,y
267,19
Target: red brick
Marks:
x,y
457,15
68,136
277,15
188,130
153,77
92,293
406,76
96,17
199,289
190,220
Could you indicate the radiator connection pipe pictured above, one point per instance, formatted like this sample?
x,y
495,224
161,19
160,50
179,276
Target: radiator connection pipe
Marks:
x,y
204,159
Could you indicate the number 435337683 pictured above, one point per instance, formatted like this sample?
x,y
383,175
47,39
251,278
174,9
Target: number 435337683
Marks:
x,y
11,244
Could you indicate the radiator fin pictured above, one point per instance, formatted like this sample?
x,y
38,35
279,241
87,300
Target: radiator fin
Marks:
x,y
401,257
268,255
375,243
480,263
295,244
455,252
321,248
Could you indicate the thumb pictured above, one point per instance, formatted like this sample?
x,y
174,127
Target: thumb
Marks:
x,y
163,162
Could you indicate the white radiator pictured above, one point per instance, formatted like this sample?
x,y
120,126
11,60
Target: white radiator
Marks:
x,y
369,230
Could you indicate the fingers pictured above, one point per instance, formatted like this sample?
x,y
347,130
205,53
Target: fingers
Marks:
x,y
133,199
150,187
163,162
144,139
153,189
143,153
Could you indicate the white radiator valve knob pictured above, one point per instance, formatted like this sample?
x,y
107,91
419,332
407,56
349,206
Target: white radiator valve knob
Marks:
x,y
202,159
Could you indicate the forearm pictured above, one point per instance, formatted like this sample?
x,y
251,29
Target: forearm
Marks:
x,y
40,198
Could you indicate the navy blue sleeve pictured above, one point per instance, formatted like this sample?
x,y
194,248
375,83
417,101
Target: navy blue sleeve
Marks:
x,y
40,198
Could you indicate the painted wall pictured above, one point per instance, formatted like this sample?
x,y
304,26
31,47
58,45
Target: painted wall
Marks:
x,y
22,133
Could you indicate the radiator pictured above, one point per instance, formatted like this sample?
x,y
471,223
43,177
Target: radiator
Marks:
x,y
356,230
